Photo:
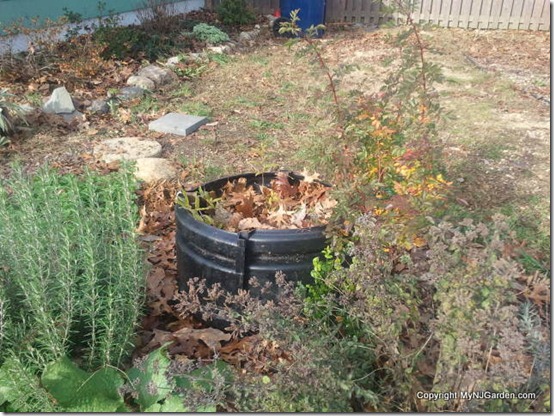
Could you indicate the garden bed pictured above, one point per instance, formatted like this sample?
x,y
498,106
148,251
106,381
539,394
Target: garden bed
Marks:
x,y
271,109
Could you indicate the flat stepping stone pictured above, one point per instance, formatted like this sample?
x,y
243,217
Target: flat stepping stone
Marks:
x,y
153,169
126,148
177,123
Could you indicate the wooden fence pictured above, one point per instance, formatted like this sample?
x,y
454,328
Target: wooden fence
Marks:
x,y
477,14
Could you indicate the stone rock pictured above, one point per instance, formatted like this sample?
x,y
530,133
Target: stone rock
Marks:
x,y
219,49
126,148
174,60
99,107
128,93
60,102
159,75
196,56
141,82
245,36
270,19
155,169
249,36
68,118
177,123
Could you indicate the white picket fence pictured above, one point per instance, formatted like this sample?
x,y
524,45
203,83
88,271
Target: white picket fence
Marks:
x,y
478,14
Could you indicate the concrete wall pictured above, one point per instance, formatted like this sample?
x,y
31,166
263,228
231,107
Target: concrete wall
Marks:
x,y
20,42
13,10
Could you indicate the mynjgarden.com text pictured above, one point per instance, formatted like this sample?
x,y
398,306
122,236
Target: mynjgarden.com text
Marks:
x,y
474,395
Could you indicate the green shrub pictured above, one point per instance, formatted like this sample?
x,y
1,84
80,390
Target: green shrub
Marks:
x,y
485,338
310,367
72,276
440,318
132,42
209,34
235,13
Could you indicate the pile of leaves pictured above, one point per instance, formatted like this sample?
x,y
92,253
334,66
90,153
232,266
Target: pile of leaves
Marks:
x,y
185,337
287,203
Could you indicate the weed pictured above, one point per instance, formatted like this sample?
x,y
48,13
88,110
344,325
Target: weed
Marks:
x,y
266,125
291,27
184,90
263,137
34,98
201,170
219,58
196,108
147,105
247,102
213,171
158,16
191,71
259,59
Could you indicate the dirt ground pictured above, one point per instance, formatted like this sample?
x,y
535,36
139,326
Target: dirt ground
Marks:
x,y
271,108
270,105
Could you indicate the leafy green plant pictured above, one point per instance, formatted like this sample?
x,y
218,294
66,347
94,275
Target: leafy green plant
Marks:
x,y
201,204
235,13
160,388
209,34
76,390
152,385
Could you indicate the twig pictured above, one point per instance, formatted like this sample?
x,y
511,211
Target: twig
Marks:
x,y
324,66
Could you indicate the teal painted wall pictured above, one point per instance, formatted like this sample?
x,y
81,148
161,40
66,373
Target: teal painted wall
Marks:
x,y
12,10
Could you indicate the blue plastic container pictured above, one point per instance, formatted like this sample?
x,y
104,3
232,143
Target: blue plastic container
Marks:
x,y
312,12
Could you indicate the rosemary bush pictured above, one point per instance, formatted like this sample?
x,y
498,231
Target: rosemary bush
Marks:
x,y
72,274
